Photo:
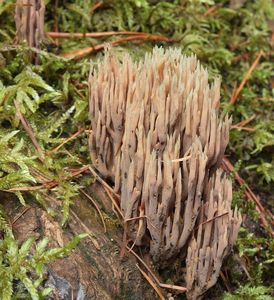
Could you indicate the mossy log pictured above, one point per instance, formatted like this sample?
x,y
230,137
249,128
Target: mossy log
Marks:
x,y
94,270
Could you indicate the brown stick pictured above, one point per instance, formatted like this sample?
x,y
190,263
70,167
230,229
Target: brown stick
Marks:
x,y
235,95
83,52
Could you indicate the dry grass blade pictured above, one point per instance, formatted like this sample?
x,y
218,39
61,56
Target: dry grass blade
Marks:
x,y
242,125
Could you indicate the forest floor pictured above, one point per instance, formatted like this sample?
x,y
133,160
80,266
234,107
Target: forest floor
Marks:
x,y
44,125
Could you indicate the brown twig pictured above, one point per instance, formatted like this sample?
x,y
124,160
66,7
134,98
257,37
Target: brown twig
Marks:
x,y
85,51
29,131
235,95
144,264
251,196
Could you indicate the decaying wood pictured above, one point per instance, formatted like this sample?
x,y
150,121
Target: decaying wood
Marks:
x,y
29,18
94,269
157,134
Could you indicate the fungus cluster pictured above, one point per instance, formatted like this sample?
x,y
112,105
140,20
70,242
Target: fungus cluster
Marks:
x,y
157,134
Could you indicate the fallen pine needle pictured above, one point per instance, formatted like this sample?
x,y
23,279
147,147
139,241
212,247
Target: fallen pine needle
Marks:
x,y
163,285
83,52
98,178
210,11
93,240
96,6
66,35
96,207
263,213
29,131
150,281
48,184
114,203
212,219
245,122
20,215
245,79
49,153
174,287
181,159
249,129
144,264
